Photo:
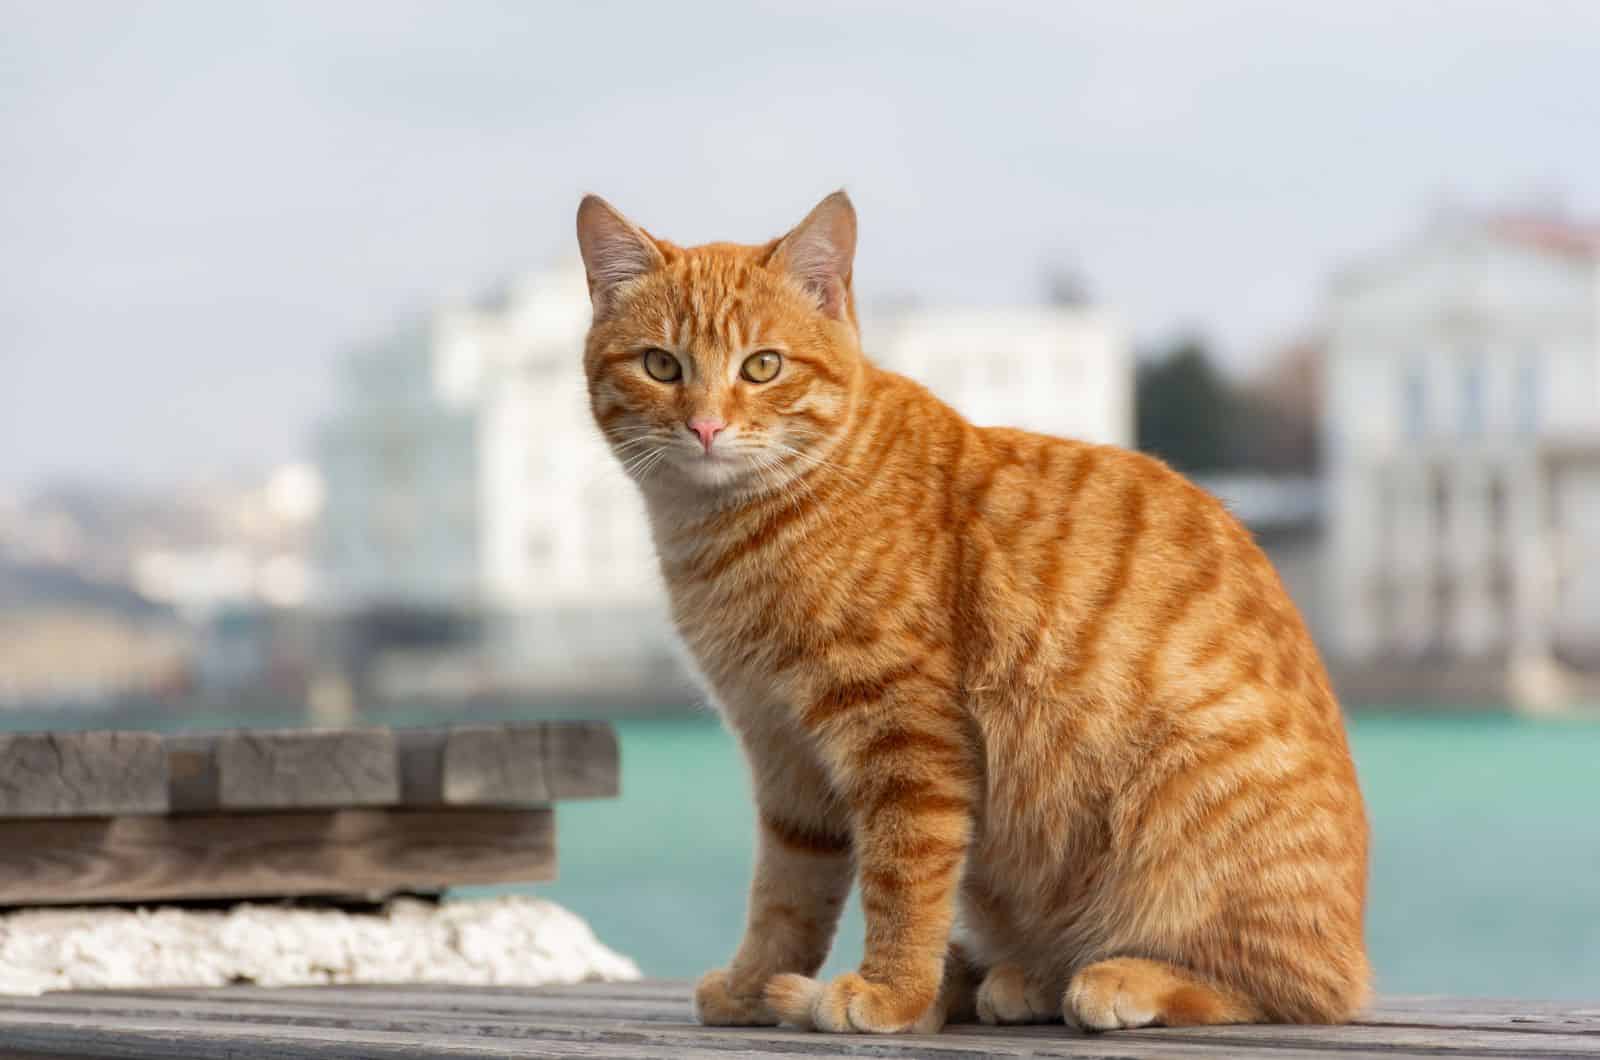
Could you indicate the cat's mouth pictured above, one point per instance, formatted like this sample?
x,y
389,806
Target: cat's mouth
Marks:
x,y
721,466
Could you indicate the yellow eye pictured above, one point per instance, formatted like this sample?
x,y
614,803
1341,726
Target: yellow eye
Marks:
x,y
762,367
662,366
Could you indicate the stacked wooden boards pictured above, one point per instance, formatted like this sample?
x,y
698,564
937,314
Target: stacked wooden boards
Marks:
x,y
140,816
653,1019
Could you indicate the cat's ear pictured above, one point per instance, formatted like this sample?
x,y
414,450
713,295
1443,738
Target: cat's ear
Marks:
x,y
820,252
615,251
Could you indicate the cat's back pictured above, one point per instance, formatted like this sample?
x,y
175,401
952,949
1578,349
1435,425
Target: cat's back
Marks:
x,y
1159,730
1131,578
1148,633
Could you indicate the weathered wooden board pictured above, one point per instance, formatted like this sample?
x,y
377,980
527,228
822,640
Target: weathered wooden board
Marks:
x,y
421,766
154,1039
136,859
509,765
519,765
75,774
306,768
191,773
581,761
653,1019
106,774
489,765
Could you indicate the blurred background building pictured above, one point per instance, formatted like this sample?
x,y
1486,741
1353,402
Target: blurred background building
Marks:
x,y
111,595
1058,369
1463,448
480,539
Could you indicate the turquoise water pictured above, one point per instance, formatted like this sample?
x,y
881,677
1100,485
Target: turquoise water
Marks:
x,y
1485,874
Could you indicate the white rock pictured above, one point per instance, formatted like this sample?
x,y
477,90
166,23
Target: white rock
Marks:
x,y
509,941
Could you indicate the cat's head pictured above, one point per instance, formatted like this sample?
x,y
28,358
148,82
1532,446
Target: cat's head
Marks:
x,y
721,367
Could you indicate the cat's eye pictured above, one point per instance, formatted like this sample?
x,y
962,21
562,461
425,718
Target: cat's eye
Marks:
x,y
762,367
662,366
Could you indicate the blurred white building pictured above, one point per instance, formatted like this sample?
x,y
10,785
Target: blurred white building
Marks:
x,y
464,473
1063,370
464,469
1463,442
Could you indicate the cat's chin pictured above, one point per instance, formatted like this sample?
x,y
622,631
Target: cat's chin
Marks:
x,y
715,473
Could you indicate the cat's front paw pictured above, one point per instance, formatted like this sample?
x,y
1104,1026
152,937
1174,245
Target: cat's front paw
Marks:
x,y
717,1005
847,1004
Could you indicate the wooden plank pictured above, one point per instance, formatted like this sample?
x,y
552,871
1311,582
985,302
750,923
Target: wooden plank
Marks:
x,y
127,859
656,989
301,769
523,764
1529,1019
582,760
421,766
599,993
1417,1039
107,774
421,1000
649,1001
511,1019
192,772
178,1039
301,1033
74,774
669,1001
495,765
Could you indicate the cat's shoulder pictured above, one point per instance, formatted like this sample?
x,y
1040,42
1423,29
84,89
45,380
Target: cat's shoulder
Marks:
x,y
1098,468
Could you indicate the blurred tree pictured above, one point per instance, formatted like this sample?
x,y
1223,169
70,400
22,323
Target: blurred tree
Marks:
x,y
1184,408
1196,419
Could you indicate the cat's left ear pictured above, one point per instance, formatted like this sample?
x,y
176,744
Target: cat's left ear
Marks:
x,y
820,252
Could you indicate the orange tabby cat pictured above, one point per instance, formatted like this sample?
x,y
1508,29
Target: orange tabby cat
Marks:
x,y
1050,689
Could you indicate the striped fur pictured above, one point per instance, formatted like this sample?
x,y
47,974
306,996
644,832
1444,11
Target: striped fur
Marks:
x,y
1050,690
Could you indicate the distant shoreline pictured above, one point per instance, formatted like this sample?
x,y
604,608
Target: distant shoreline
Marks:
x,y
1443,687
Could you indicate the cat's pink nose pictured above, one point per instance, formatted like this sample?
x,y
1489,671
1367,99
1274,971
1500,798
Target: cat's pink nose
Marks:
x,y
707,430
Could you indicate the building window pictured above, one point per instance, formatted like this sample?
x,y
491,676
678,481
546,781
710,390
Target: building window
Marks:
x,y
1387,515
1497,510
1472,396
1528,385
1414,402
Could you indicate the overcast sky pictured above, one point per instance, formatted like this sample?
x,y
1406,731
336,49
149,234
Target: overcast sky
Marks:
x,y
202,203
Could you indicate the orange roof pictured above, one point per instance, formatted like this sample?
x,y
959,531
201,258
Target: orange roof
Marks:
x,y
1559,235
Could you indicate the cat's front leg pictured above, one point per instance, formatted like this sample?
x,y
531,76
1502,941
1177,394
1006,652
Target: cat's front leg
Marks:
x,y
907,771
801,880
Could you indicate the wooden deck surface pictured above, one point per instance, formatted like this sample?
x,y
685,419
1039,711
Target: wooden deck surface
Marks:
x,y
653,1019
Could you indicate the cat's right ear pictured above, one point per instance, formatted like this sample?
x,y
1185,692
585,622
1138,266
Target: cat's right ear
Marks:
x,y
615,251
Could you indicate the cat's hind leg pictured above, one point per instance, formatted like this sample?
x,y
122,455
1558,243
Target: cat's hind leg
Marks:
x,y
1134,992
1009,994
